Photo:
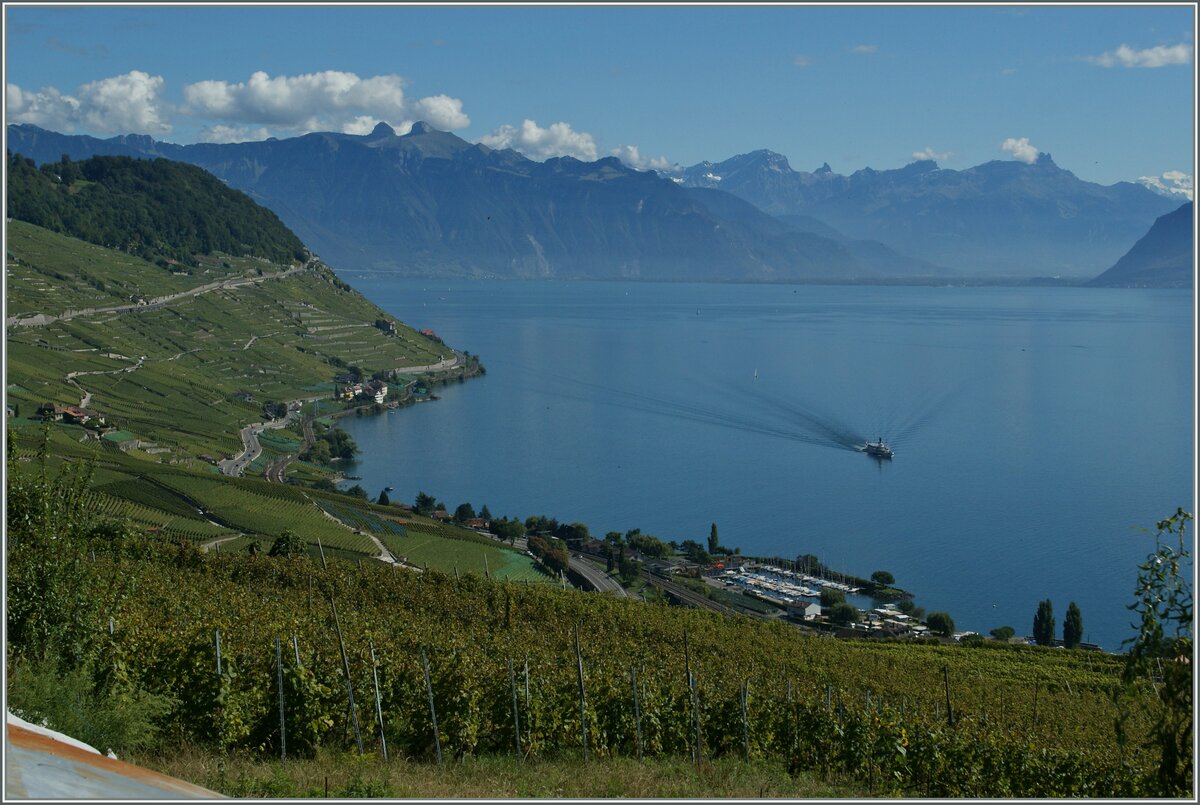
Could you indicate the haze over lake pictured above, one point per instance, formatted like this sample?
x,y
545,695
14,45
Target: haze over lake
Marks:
x,y
1036,430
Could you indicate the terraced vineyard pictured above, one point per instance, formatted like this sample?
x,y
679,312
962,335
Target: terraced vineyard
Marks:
x,y
902,718
275,340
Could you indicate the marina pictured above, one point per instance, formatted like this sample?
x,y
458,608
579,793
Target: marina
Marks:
x,y
781,586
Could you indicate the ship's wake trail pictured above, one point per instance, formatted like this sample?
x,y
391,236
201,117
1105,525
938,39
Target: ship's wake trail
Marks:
x,y
799,426
807,417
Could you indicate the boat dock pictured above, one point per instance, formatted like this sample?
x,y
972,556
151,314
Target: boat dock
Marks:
x,y
780,586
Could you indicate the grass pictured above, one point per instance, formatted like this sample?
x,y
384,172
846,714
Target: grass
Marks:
x,y
420,548
345,775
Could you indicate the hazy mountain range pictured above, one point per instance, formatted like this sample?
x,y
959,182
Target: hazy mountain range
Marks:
x,y
430,203
1002,218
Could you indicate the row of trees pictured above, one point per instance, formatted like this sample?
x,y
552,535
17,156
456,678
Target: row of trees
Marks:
x,y
1043,625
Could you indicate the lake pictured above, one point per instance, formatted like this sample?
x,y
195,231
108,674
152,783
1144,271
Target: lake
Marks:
x,y
1037,431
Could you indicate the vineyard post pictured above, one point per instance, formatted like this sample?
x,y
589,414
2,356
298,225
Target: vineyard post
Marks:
x,y
828,697
637,712
512,683
321,548
526,683
687,667
217,634
437,741
296,648
582,710
745,717
949,709
487,574
378,702
787,719
696,717
456,576
346,669
279,681
111,626
1036,690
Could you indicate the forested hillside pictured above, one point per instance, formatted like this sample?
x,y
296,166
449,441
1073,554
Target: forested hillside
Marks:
x,y
159,210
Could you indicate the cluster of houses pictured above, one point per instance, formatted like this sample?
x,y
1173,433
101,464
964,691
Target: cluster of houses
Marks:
x,y
72,415
375,390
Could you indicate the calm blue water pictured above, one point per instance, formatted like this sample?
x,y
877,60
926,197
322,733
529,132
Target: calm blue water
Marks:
x,y
1036,430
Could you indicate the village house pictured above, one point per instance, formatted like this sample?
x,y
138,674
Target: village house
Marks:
x,y
70,414
803,610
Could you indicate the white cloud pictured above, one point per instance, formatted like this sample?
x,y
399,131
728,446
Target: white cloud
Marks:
x,y
221,133
331,99
1159,56
929,153
47,108
630,156
1020,149
442,112
864,49
1174,184
535,142
132,102
800,60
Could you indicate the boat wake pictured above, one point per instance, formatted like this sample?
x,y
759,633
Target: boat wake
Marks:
x,y
759,410
796,426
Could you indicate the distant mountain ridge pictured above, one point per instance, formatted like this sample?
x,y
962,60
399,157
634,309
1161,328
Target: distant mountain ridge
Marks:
x,y
1164,258
429,203
1004,218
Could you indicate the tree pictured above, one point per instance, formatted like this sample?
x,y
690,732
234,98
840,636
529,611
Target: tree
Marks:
x,y
1003,632
1161,653
383,499
714,544
1043,624
940,623
844,614
485,514
464,512
357,491
424,503
509,530
883,578
287,545
1073,626
831,597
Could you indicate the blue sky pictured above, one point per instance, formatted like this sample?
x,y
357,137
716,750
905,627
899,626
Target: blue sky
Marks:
x,y
1107,90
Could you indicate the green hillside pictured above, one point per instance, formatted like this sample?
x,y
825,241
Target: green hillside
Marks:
x,y
157,209
211,359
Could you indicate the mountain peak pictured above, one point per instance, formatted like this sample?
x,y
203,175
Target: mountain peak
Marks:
x,y
421,127
824,168
382,130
